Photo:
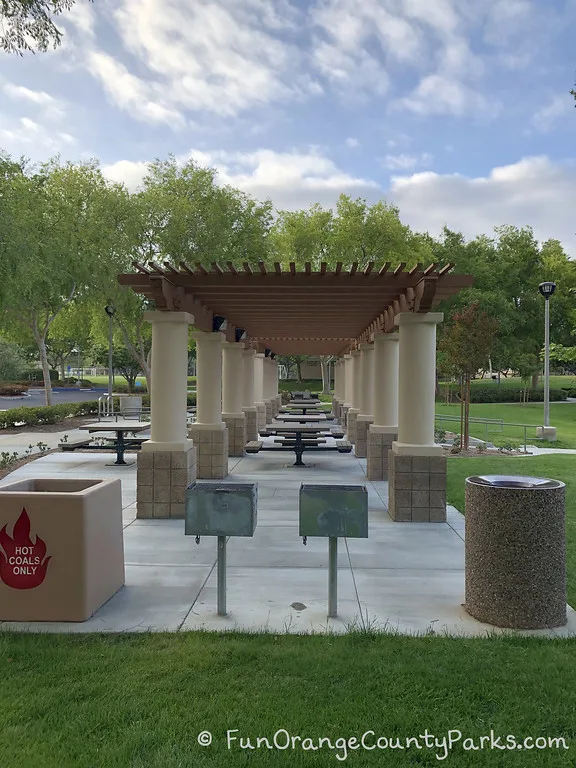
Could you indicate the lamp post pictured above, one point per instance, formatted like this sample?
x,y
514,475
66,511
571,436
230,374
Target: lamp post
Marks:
x,y
547,289
109,309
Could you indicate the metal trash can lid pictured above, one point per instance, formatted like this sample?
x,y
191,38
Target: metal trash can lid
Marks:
x,y
514,481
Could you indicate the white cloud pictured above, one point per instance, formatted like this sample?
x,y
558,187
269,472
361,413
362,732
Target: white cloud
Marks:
x,y
289,179
48,107
405,162
560,106
440,95
534,191
352,142
130,92
130,173
223,57
32,138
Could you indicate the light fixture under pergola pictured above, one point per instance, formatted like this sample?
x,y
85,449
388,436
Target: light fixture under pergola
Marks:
x,y
324,312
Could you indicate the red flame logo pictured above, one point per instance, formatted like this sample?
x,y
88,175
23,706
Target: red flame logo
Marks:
x,y
22,564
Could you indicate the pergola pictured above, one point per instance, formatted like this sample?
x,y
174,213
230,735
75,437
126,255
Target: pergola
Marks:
x,y
380,324
324,312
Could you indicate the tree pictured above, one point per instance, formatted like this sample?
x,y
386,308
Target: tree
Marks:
x,y
528,367
27,24
325,361
12,362
467,344
61,230
122,361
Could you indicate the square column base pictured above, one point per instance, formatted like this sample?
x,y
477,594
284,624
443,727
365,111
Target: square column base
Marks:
x,y
362,424
161,481
336,408
212,443
269,411
379,444
351,421
261,415
251,424
236,424
344,408
416,488
278,404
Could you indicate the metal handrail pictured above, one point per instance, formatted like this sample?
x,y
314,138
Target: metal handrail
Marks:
x,y
487,422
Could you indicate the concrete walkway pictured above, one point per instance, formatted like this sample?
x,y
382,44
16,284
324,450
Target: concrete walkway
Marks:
x,y
406,578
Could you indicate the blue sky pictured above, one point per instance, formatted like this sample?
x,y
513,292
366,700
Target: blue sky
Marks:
x,y
456,110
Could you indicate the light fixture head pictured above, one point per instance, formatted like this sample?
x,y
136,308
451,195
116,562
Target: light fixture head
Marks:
x,y
240,334
547,289
109,309
272,355
267,352
219,323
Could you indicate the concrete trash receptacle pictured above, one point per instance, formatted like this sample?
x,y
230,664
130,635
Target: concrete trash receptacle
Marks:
x,y
131,405
515,551
61,548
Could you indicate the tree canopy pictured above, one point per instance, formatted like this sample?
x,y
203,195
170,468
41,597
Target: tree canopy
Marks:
x,y
27,25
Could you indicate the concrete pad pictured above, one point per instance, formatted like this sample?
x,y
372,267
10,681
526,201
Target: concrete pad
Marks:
x,y
269,607
154,599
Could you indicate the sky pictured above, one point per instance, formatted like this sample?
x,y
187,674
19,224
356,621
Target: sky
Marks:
x,y
456,111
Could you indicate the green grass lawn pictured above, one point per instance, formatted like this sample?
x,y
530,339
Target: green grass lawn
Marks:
x,y
562,416
556,382
75,701
102,381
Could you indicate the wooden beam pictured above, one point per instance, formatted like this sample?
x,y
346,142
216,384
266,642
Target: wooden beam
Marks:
x,y
323,266
247,268
277,268
338,268
384,268
185,268
353,268
292,268
307,268
201,268
400,268
216,268
446,269
262,268
369,267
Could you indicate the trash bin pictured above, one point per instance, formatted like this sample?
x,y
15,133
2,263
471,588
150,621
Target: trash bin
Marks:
x,y
61,548
515,551
130,405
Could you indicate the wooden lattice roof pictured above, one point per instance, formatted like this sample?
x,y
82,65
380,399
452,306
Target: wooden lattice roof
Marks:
x,y
297,312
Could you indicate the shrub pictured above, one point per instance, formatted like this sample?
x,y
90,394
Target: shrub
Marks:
x,y
35,374
48,414
289,385
12,390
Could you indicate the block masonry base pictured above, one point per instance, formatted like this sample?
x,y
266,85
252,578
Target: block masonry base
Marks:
x,y
261,415
417,488
236,425
212,445
161,480
379,444
361,448
251,424
351,420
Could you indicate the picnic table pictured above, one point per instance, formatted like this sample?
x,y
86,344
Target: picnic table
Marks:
x,y
121,428
296,440
294,418
289,408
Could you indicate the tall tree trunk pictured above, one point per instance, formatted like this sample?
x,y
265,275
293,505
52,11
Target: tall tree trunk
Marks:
x,y
462,409
40,340
466,439
325,366
62,370
299,371
535,379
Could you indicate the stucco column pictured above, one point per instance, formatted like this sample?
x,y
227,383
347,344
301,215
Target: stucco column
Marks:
x,y
248,395
417,383
169,380
259,389
209,432
166,462
209,377
269,397
337,397
384,430
356,396
276,389
417,467
233,396
364,418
